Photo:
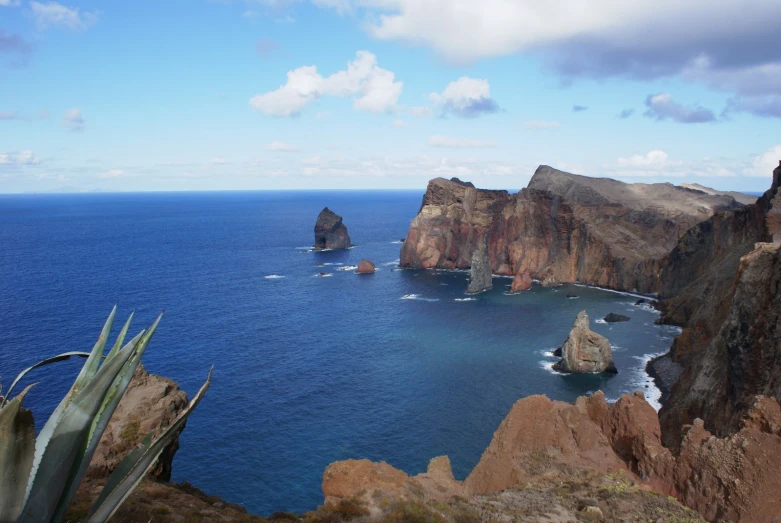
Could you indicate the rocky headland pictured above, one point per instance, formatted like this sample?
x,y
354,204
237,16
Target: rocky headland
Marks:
x,y
330,232
585,351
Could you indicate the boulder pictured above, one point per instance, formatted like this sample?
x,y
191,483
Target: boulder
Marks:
x,y
571,294
365,267
521,282
480,277
585,351
330,232
614,318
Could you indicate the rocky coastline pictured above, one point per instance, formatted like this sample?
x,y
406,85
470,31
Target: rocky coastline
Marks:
x,y
712,453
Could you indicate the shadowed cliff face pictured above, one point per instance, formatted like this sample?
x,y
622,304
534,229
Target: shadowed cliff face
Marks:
x,y
562,227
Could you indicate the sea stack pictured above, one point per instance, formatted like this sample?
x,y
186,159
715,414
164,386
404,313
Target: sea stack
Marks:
x,y
585,351
480,276
365,267
330,232
521,282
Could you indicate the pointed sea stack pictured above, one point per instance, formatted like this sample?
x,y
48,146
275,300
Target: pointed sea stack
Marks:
x,y
480,276
330,232
585,351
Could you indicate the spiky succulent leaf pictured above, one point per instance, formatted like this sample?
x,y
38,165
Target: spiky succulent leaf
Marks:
x,y
47,361
121,337
138,345
134,467
66,443
44,437
17,448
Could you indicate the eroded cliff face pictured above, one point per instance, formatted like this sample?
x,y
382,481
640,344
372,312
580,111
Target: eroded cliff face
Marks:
x,y
735,478
562,227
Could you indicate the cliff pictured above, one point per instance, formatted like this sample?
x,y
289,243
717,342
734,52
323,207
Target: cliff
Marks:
x,y
562,227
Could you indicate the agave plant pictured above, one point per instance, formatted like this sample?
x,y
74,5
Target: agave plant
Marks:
x,y
39,476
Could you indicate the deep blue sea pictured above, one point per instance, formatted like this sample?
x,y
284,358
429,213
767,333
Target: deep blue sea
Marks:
x,y
394,366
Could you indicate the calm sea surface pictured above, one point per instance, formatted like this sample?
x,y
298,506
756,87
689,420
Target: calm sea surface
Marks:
x,y
395,366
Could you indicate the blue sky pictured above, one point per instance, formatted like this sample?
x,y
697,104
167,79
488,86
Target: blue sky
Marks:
x,y
332,94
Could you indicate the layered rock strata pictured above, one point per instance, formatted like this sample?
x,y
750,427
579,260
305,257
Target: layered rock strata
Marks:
x,y
585,351
562,228
330,232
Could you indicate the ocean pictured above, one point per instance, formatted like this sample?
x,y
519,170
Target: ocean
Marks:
x,y
399,366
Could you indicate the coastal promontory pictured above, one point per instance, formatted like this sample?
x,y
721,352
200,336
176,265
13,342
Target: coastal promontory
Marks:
x,y
330,232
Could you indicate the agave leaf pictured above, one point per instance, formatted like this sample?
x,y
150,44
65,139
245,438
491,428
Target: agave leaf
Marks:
x,y
134,467
102,418
121,337
67,441
47,361
17,447
42,442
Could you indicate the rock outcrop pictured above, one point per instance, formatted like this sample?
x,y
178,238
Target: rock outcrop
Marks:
x,y
330,232
585,351
365,267
734,479
521,282
615,318
480,276
150,404
562,228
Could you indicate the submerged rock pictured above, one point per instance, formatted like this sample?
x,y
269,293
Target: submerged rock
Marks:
x,y
521,282
585,351
641,301
614,318
571,294
480,276
365,267
330,232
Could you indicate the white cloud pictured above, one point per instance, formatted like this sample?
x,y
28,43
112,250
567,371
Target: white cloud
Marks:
x,y
541,124
372,88
21,158
399,123
52,14
655,158
662,106
466,97
278,146
439,140
219,160
73,120
9,3
764,164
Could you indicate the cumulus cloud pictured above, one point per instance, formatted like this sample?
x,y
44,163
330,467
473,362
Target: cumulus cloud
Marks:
x,y
281,147
541,124
371,87
721,43
17,159
439,140
73,120
579,108
656,158
626,113
466,97
661,106
52,14
764,164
